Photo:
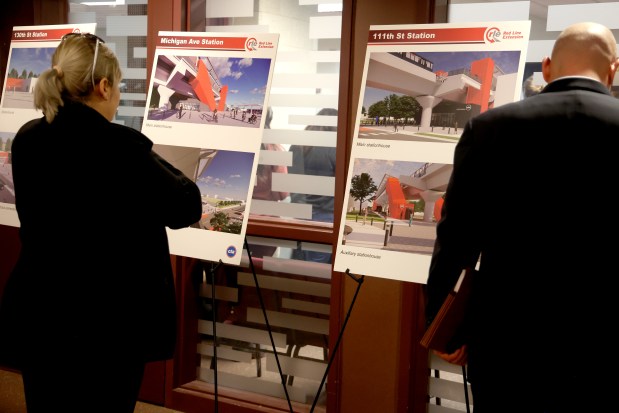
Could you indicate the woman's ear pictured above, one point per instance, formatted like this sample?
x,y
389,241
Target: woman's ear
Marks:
x,y
103,88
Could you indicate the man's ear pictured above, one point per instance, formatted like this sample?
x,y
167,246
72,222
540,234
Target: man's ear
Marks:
x,y
546,69
612,72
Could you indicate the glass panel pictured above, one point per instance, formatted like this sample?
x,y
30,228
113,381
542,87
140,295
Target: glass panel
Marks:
x,y
295,184
548,18
296,175
295,304
122,24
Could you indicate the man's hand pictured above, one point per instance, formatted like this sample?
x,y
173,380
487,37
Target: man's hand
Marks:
x,y
458,357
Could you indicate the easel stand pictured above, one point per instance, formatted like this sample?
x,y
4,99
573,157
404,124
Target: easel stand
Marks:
x,y
214,267
266,320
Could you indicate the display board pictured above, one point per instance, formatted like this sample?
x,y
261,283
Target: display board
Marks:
x,y
420,85
207,98
30,53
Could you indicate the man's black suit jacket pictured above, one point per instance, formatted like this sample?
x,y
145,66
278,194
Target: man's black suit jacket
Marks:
x,y
532,197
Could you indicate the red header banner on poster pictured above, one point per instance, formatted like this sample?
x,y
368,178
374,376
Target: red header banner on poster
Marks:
x,y
42,35
191,42
196,42
486,34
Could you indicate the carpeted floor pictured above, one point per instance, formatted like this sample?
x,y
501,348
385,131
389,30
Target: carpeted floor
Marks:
x,y
12,396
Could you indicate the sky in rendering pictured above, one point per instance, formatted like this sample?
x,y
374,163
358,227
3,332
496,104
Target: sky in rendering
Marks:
x,y
35,59
508,61
377,168
246,79
227,176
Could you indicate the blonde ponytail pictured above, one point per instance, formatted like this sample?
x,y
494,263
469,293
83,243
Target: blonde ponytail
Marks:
x,y
71,76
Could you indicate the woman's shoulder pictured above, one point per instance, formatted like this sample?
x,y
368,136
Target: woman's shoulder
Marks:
x,y
31,125
133,136
31,128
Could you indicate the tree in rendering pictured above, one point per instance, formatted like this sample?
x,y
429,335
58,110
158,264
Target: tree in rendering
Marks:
x,y
362,187
219,221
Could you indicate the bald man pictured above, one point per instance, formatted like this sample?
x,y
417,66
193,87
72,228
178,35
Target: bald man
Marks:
x,y
530,201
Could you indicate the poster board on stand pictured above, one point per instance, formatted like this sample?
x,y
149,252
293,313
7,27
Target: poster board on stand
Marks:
x,y
420,85
206,102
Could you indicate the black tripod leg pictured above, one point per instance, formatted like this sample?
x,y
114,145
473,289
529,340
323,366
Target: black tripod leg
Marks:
x,y
266,320
359,281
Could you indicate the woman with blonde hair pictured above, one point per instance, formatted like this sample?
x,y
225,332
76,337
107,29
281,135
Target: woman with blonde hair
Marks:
x,y
91,299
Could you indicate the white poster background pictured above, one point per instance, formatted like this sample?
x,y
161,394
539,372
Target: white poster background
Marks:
x,y
419,156
184,127
31,50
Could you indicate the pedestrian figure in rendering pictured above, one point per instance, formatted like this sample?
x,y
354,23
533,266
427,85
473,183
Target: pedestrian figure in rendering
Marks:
x,y
543,314
91,299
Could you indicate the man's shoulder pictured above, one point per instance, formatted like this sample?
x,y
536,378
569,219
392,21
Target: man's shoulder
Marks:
x,y
507,109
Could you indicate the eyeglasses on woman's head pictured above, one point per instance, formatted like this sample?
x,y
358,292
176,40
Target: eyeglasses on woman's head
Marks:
x,y
88,36
92,37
